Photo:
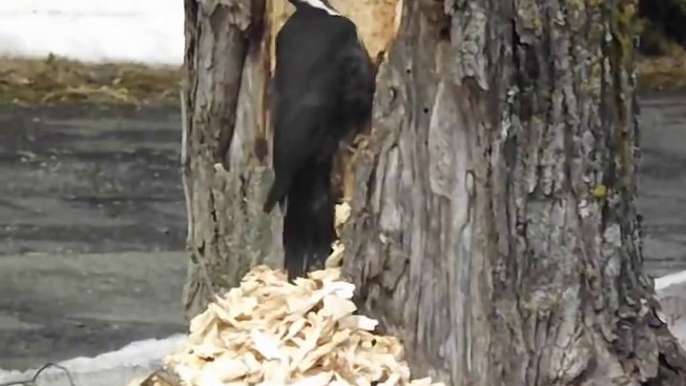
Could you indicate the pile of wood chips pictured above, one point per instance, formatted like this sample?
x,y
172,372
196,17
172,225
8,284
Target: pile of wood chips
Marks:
x,y
271,332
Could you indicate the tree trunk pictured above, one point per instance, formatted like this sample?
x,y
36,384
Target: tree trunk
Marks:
x,y
493,222
228,59
227,69
493,225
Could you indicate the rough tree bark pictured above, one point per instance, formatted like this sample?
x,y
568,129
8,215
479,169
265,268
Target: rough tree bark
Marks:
x,y
493,222
228,59
227,68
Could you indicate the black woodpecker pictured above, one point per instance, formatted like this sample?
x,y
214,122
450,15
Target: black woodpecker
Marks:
x,y
323,89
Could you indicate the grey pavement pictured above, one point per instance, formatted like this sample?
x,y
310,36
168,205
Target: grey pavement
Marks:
x,y
55,307
92,228
662,182
79,179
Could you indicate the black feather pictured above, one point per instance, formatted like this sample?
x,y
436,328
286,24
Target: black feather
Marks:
x,y
323,90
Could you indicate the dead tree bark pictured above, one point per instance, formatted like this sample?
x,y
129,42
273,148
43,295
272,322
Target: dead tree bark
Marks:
x,y
227,70
228,59
493,221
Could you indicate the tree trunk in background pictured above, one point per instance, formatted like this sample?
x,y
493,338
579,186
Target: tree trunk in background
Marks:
x,y
227,67
493,223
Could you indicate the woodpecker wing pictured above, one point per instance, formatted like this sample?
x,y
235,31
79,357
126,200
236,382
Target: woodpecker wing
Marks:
x,y
358,84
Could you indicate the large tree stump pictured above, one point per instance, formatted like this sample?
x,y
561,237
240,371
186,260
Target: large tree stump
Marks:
x,y
228,61
493,222
226,80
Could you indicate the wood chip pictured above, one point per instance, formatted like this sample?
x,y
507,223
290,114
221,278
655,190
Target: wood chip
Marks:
x,y
270,332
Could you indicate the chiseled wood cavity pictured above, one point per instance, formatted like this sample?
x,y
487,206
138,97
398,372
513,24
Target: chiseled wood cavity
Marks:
x,y
377,21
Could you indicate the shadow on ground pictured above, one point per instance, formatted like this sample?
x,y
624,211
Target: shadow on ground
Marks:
x,y
93,223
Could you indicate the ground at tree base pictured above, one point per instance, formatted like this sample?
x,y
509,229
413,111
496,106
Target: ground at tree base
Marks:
x,y
271,332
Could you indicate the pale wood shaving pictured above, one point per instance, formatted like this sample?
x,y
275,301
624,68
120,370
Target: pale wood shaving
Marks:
x,y
270,332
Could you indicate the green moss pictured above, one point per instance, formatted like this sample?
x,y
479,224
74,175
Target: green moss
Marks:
x,y
55,80
624,26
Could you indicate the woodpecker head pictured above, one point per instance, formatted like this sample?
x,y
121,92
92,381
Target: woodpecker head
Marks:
x,y
318,4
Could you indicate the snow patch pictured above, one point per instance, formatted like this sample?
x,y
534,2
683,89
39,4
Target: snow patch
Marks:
x,y
95,31
139,358
666,281
115,368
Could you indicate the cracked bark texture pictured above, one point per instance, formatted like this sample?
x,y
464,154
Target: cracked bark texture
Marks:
x,y
227,70
493,223
228,58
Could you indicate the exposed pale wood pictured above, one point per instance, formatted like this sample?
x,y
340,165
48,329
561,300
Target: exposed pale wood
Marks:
x,y
377,23
377,20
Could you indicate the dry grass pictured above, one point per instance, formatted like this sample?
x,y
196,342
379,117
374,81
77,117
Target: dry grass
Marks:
x,y
666,73
54,80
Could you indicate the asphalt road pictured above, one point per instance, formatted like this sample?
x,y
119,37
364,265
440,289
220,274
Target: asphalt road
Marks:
x,y
92,224
83,180
662,182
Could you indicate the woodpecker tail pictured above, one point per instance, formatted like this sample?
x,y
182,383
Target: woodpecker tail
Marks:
x,y
308,228
272,198
277,194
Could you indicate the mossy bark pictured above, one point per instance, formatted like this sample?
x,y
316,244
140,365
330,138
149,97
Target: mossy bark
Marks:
x,y
493,223
227,72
